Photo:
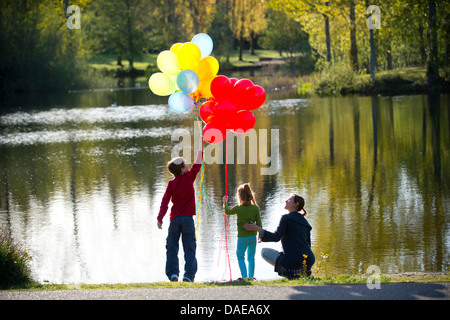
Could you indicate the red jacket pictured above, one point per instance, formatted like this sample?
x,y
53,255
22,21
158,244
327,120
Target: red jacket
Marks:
x,y
181,191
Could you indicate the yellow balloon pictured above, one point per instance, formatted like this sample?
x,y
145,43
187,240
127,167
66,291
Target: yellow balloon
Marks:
x,y
207,68
189,56
167,62
174,48
161,84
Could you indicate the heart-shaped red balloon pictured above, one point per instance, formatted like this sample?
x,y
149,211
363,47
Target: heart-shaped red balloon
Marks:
x,y
245,121
257,100
221,88
207,111
225,114
243,93
213,134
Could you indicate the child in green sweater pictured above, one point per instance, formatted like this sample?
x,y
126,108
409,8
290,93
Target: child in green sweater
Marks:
x,y
247,211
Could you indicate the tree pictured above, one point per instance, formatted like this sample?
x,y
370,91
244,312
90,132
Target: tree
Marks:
x,y
37,51
220,31
247,20
202,14
353,45
306,11
432,62
283,33
117,27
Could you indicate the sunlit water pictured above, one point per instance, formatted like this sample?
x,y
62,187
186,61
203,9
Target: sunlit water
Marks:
x,y
82,182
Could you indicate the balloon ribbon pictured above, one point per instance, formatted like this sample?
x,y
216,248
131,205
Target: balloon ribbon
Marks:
x,y
227,258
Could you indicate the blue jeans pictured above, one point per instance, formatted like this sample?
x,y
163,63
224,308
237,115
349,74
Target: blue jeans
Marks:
x,y
181,226
246,244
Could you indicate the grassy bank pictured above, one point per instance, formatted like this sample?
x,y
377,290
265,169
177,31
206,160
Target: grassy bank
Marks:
x,y
333,79
341,79
308,281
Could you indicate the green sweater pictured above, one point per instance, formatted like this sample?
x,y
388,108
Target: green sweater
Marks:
x,y
245,214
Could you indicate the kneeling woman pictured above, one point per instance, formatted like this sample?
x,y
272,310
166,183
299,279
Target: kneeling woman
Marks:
x,y
294,231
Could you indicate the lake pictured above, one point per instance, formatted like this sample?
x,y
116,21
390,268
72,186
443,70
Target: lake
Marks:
x,y
83,174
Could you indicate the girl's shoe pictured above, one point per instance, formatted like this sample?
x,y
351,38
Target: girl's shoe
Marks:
x,y
174,278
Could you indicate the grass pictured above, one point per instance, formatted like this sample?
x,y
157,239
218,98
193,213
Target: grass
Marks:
x,y
15,260
307,281
341,79
148,60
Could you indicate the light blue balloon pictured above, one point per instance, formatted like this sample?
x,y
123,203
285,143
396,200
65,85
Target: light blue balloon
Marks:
x,y
180,102
187,81
204,43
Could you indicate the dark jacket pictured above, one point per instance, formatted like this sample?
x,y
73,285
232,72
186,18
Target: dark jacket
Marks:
x,y
295,234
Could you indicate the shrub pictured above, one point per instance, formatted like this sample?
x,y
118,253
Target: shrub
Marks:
x,y
15,260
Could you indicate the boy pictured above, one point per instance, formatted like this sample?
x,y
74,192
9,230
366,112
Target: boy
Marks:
x,y
181,191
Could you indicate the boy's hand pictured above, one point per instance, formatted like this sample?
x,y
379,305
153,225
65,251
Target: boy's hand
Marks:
x,y
159,225
225,199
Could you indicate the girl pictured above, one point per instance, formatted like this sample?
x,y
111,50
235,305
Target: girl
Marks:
x,y
247,211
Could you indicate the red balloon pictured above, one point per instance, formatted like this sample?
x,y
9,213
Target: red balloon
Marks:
x,y
233,81
258,99
225,114
207,111
243,93
245,121
213,134
221,88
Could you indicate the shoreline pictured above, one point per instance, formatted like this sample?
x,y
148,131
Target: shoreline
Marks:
x,y
405,277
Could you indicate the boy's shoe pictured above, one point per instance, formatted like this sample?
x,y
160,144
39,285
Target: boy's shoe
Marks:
x,y
186,279
174,278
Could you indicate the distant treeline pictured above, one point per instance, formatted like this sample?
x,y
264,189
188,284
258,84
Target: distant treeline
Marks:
x,y
39,50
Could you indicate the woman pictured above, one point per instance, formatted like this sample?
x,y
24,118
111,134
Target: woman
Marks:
x,y
294,231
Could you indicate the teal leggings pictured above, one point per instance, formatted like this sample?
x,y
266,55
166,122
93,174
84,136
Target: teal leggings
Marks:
x,y
246,244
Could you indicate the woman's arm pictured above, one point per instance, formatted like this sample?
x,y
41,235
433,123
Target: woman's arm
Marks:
x,y
268,236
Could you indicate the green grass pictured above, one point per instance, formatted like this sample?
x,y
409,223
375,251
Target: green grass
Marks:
x,y
15,260
308,281
109,62
341,79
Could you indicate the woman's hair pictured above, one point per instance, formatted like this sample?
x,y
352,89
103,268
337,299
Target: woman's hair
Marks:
x,y
245,195
300,204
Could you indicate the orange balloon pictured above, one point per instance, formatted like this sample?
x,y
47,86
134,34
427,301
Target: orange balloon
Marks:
x,y
207,68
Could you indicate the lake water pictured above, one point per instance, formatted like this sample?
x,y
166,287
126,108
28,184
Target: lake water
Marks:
x,y
81,183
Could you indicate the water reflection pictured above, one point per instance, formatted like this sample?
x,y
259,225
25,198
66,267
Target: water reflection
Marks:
x,y
82,182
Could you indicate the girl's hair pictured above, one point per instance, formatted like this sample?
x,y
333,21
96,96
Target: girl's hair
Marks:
x,y
300,204
245,195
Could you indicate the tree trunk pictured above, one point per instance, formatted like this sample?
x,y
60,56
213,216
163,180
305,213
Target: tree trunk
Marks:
x,y
353,45
432,64
241,47
389,56
372,52
327,37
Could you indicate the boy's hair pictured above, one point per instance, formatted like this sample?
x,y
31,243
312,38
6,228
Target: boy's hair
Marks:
x,y
245,195
175,165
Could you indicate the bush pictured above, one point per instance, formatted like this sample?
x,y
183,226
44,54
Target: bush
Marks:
x,y
339,77
15,260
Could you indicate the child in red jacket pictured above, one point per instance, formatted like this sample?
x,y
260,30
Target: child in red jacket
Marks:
x,y
181,191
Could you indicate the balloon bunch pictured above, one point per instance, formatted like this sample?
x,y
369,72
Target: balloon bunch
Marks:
x,y
230,107
187,70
